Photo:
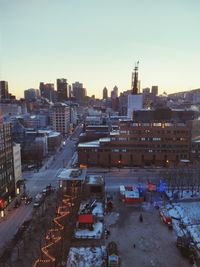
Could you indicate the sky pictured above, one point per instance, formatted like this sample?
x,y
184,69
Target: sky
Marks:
x,y
97,43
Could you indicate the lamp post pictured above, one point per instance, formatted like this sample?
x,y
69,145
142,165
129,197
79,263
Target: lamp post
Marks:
x,y
119,164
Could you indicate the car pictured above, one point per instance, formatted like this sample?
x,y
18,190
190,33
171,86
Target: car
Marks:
x,y
24,196
28,200
36,204
25,225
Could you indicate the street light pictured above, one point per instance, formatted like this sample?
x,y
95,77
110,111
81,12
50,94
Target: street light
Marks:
x,y
119,164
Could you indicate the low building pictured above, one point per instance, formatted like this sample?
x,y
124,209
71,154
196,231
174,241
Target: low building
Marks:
x,y
94,186
72,180
130,194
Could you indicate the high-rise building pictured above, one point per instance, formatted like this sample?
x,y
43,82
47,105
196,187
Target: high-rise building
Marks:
x,y
7,179
4,94
47,91
114,92
61,118
79,92
154,90
62,90
105,93
31,94
135,99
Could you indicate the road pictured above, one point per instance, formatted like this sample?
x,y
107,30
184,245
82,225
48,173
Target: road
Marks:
x,y
35,183
127,176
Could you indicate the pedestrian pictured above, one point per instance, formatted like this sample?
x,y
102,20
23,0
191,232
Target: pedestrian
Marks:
x,y
134,245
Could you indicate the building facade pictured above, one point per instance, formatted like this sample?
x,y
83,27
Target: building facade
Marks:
x,y
31,94
105,93
47,91
62,90
61,118
79,92
7,179
4,94
17,166
159,138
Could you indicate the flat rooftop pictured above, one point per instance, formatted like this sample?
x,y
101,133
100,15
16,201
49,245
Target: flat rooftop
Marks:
x,y
95,179
72,174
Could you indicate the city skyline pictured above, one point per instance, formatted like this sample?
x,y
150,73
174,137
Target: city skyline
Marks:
x,y
98,44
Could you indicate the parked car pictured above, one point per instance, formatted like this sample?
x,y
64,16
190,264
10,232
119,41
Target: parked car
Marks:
x,y
24,196
28,200
25,224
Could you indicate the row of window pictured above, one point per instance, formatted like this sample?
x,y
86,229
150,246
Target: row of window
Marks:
x,y
145,150
154,131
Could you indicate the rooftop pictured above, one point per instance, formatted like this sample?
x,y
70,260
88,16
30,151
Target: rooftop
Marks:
x,y
72,174
95,179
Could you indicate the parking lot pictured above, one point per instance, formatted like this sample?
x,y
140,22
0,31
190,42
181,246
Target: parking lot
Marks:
x,y
148,243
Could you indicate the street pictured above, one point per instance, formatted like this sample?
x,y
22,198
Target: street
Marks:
x,y
35,183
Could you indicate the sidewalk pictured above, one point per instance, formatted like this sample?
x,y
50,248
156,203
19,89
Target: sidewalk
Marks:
x,y
9,208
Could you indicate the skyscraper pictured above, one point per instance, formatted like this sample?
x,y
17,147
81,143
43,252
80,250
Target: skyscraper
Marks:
x,y
79,92
47,91
62,90
135,99
114,92
105,93
31,94
154,90
4,90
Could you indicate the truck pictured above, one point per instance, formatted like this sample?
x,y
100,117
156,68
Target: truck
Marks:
x,y
112,255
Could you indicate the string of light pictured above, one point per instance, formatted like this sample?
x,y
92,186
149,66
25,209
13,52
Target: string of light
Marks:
x,y
53,235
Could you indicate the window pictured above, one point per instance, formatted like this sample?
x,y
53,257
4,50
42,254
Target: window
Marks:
x,y
156,138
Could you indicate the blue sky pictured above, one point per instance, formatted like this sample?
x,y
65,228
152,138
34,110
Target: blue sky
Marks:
x,y
97,42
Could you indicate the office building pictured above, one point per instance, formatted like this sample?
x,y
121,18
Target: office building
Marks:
x,y
154,90
4,94
31,94
7,179
47,91
105,93
62,90
79,92
61,118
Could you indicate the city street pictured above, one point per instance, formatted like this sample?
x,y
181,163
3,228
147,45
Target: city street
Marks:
x,y
35,183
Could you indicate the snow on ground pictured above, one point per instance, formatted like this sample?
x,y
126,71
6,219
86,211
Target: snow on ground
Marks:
x,y
86,233
183,195
187,214
86,257
98,210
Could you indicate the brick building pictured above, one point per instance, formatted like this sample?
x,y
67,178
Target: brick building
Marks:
x,y
157,138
